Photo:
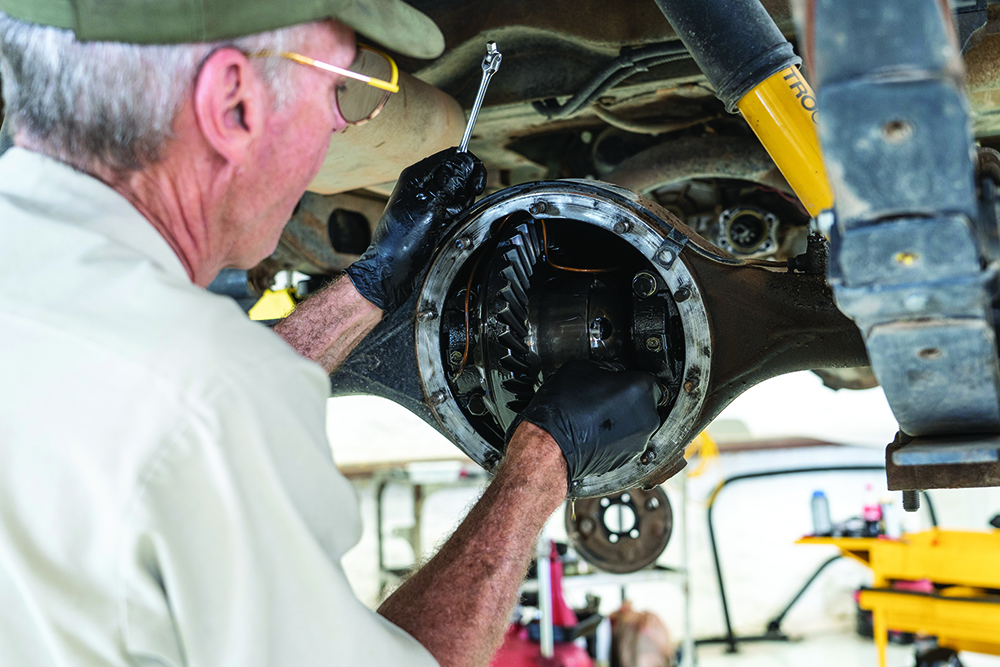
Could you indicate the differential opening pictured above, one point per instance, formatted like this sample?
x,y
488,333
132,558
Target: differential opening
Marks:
x,y
543,292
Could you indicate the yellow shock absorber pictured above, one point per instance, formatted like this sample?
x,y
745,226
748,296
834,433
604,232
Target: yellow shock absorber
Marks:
x,y
781,110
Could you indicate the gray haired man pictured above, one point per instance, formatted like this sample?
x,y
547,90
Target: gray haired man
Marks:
x,y
167,495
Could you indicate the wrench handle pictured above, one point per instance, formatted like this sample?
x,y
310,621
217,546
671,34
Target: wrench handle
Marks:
x,y
474,114
491,63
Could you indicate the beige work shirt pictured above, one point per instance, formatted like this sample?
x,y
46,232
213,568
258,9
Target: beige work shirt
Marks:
x,y
167,494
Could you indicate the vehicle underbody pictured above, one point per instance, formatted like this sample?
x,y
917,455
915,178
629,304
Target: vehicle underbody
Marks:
x,y
631,217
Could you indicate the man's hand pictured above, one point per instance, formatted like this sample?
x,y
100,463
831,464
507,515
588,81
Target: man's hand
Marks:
x,y
458,604
428,197
601,418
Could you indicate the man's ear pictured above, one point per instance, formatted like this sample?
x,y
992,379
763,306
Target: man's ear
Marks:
x,y
229,103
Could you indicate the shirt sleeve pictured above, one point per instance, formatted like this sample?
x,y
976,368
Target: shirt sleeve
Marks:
x,y
231,551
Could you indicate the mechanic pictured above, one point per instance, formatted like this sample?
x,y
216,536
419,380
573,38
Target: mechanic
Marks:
x,y
167,493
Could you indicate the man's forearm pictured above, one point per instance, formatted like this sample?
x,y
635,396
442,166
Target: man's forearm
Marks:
x,y
458,605
329,324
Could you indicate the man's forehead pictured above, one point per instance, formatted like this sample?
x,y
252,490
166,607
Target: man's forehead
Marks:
x,y
334,37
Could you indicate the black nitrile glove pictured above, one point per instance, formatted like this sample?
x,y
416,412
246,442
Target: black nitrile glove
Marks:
x,y
600,417
428,197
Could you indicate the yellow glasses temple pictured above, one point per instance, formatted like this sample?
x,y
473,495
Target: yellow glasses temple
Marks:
x,y
390,86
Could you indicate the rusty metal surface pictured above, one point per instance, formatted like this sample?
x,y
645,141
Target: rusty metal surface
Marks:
x,y
307,243
914,258
740,158
767,323
740,176
621,533
553,45
948,476
982,63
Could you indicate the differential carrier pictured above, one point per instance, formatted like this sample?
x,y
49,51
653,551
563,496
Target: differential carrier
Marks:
x,y
545,273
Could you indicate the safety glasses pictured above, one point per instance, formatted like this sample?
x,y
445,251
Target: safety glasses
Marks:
x,y
372,77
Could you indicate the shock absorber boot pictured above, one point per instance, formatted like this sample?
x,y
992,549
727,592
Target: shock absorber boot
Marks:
x,y
735,43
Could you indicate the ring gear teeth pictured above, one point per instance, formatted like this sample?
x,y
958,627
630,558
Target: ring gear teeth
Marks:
x,y
516,266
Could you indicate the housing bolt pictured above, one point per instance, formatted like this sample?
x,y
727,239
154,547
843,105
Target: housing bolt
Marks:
x,y
491,461
653,344
647,457
683,294
463,243
426,315
664,396
538,208
644,285
477,405
911,500
437,398
665,257
621,227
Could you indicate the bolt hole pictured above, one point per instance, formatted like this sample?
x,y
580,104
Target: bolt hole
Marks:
x,y
930,353
349,231
896,131
619,519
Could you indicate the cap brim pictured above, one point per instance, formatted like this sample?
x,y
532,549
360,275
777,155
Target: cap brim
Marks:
x,y
393,24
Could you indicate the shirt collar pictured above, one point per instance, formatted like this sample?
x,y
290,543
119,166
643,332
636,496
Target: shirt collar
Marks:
x,y
55,189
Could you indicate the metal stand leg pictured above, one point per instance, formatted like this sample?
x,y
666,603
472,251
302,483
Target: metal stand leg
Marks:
x,y
881,634
545,596
690,658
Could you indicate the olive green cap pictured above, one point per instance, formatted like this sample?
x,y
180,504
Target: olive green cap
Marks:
x,y
392,23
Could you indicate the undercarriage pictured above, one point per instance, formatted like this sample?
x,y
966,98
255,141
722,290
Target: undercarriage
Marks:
x,y
634,215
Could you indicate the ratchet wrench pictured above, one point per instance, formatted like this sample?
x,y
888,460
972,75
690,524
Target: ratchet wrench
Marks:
x,y
491,63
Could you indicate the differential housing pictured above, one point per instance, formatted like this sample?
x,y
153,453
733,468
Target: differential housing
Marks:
x,y
537,275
